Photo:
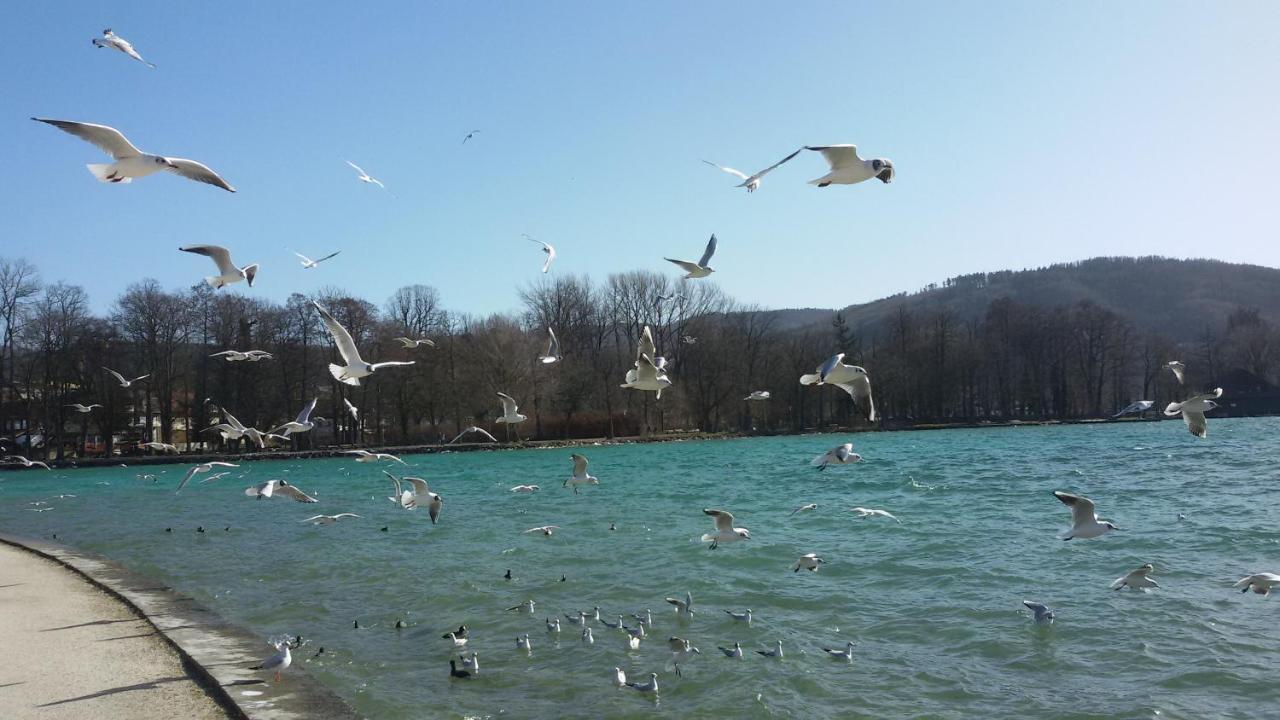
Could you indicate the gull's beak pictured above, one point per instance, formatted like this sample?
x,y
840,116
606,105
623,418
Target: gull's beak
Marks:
x,y
885,176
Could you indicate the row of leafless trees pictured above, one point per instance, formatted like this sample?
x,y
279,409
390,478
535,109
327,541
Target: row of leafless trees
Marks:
x,y
1017,361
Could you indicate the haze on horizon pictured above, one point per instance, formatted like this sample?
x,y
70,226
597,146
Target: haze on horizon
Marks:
x,y
1022,135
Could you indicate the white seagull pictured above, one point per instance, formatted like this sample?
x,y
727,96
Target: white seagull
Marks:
x,y
1193,410
740,617
121,379
872,512
838,455
83,408
160,447
355,367
247,355
473,429
510,416
1084,519
130,162
649,687
848,169
1135,407
228,271
850,378
308,263
544,529
526,606
648,373
587,636
1043,614
701,268
412,343
684,607
523,643
725,531
329,519
202,468
1136,579
271,488
364,456
408,499
352,410
546,248
810,562
846,654
619,677
806,506
277,662
580,475
751,182
757,395
776,652
20,460
733,652
524,489
1178,368
115,42
365,177
553,349
300,424
1260,583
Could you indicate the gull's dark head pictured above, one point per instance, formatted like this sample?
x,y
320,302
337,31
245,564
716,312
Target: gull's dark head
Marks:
x,y
883,169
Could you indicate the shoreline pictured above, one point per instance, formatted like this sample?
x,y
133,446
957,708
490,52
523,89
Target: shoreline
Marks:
x,y
216,653
425,449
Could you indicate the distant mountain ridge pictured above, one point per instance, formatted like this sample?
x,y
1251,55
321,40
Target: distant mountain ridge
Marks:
x,y
1172,297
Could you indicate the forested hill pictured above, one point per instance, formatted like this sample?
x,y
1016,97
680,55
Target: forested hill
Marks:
x,y
1174,298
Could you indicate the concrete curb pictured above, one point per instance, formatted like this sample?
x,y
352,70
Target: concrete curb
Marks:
x,y
216,653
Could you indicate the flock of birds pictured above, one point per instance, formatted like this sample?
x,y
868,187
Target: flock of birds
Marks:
x,y
648,374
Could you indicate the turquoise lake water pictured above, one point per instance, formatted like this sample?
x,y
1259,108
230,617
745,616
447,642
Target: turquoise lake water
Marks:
x,y
933,603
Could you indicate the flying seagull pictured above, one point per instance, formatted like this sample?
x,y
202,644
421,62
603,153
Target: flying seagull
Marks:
x,y
308,263
237,356
806,506
810,562
300,424
544,529
510,415
25,462
364,456
580,475
115,42
838,455
1084,520
202,468
684,607
228,271
1135,408
469,136
1260,583
553,349
546,248
1193,410
355,367
412,343
365,177
648,372
1043,615
872,512
121,379
1179,370
850,378
725,531
848,169
352,410
83,408
473,429
329,519
757,395
160,447
1136,580
130,162
701,268
751,182
272,488
524,489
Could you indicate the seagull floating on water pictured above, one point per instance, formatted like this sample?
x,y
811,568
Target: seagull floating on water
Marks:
x,y
701,268
776,652
740,617
649,687
115,42
733,652
1084,519
526,606
846,654
1136,579
751,182
849,169
619,677
523,643
355,367
684,607
130,162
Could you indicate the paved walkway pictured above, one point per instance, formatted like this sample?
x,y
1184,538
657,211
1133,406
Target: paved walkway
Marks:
x,y
69,650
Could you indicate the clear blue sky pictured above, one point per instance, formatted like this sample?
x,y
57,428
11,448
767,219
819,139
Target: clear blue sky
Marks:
x,y
1023,133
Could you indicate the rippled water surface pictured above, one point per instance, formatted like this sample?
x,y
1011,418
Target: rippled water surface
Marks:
x,y
933,603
